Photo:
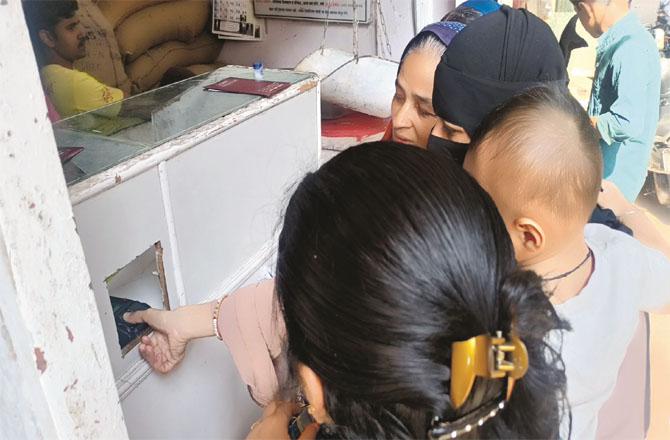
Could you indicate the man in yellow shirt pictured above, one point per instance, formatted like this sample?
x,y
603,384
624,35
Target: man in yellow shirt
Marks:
x,y
58,41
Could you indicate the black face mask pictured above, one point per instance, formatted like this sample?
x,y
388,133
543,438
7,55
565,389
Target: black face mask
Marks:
x,y
454,149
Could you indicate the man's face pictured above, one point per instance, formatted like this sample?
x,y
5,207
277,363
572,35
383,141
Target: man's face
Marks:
x,y
68,39
590,14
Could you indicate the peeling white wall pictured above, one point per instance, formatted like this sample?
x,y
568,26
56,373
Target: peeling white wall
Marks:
x,y
23,410
289,41
56,378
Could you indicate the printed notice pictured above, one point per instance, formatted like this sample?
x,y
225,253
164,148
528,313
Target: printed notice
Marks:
x,y
235,20
331,10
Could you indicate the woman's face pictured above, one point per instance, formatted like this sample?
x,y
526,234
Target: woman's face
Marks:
x,y
412,111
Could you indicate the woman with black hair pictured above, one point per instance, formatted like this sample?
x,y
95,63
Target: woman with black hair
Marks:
x,y
257,349
406,314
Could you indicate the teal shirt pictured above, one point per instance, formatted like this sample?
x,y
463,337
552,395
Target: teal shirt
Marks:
x,y
625,97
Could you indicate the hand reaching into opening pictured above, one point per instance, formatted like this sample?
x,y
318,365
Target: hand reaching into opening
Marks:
x,y
165,348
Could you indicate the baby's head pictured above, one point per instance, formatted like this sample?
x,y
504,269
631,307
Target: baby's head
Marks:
x,y
539,158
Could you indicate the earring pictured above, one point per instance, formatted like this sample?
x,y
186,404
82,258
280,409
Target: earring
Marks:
x,y
310,410
300,400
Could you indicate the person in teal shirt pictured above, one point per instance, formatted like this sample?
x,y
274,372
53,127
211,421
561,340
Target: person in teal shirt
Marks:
x,y
624,104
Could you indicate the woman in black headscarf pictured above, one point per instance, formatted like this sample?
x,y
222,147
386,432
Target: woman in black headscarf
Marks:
x,y
494,58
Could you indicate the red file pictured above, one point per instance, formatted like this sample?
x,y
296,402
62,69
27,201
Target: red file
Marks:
x,y
245,86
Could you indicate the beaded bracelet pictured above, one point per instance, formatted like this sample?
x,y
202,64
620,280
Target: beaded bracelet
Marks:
x,y
215,319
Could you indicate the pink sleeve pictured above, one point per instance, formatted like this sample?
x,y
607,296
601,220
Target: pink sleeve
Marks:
x,y
52,114
253,329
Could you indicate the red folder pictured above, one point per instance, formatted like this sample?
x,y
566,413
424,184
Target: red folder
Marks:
x,y
67,153
265,89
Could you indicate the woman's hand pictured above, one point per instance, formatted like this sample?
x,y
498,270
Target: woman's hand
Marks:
x,y
274,423
611,197
165,347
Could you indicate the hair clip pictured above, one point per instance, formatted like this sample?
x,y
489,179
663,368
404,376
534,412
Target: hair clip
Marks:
x,y
490,357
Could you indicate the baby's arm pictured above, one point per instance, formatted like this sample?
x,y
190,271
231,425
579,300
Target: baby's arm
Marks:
x,y
644,226
637,219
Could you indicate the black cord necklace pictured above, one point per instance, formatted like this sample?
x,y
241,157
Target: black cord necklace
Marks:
x,y
589,256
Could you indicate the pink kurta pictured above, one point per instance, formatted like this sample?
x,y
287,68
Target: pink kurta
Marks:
x,y
253,329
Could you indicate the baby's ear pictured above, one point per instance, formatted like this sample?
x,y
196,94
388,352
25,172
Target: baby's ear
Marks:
x,y
528,236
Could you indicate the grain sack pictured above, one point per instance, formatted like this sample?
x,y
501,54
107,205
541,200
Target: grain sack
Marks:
x,y
199,69
117,10
181,20
148,69
103,59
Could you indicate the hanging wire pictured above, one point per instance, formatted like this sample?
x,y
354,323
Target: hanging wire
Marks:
x,y
346,63
325,25
355,29
380,15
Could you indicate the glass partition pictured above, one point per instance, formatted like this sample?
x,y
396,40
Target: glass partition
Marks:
x,y
120,131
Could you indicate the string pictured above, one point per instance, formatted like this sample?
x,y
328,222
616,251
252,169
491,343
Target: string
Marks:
x,y
589,255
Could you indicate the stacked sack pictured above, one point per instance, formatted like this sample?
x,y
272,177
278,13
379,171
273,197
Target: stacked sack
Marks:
x,y
155,35
103,58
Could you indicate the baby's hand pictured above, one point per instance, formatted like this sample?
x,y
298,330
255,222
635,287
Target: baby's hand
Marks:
x,y
165,347
611,197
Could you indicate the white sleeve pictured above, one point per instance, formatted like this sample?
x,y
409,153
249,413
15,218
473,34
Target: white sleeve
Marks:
x,y
655,268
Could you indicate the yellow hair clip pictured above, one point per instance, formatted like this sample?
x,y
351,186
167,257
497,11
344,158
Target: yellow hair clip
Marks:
x,y
491,357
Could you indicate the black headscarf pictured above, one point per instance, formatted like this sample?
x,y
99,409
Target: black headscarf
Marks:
x,y
494,58
570,39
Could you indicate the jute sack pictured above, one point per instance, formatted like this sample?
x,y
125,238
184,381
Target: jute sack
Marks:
x,y
117,10
199,69
103,59
147,70
181,20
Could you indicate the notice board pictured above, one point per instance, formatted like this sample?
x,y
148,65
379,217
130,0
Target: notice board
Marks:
x,y
331,10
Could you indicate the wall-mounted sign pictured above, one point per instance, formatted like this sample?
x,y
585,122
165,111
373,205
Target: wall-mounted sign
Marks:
x,y
235,20
331,10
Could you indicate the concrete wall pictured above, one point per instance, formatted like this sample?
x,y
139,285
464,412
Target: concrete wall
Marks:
x,y
55,377
289,41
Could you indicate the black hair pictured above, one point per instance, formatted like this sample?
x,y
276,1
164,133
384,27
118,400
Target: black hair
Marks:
x,y
45,15
550,150
462,14
388,255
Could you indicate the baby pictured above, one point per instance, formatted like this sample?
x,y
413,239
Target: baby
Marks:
x,y
539,158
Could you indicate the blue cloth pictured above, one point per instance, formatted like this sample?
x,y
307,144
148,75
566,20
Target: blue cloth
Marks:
x,y
445,31
454,22
483,6
468,11
625,98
